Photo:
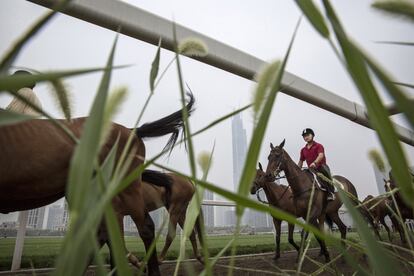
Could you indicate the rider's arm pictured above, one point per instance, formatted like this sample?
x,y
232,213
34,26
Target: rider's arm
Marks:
x,y
319,158
301,159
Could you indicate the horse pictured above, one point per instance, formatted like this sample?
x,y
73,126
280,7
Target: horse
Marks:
x,y
173,192
279,196
399,206
379,210
302,183
35,158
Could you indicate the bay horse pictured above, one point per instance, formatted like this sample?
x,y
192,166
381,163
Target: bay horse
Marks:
x,y
279,196
301,183
35,157
406,211
173,192
379,210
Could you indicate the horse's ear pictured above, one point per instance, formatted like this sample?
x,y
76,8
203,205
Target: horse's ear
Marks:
x,y
260,166
282,144
385,180
271,146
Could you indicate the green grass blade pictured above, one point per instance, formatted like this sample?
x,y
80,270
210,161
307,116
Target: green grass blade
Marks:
x,y
405,84
404,103
215,259
258,133
314,16
9,117
13,82
155,67
117,242
84,158
381,262
82,193
62,96
402,43
400,8
377,113
14,51
221,119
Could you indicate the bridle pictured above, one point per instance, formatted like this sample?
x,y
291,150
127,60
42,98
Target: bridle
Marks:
x,y
277,170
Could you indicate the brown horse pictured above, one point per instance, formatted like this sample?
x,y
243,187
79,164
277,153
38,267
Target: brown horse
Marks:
x,y
35,158
279,196
301,184
379,210
173,192
401,206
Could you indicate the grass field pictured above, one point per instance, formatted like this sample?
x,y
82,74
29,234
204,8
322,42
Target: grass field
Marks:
x,y
39,252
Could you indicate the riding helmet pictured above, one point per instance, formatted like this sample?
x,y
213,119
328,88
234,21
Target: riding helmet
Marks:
x,y
307,131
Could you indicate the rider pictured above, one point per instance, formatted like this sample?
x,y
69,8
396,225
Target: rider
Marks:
x,y
314,154
27,92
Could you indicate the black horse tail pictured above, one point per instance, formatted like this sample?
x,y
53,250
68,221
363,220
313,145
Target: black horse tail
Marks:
x,y
161,180
329,221
171,124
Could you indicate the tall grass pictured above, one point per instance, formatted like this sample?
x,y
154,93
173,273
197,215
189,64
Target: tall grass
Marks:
x,y
92,185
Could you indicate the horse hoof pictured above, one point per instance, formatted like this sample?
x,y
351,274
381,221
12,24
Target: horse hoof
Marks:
x,y
276,257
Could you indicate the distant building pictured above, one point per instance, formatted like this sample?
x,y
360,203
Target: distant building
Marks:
x,y
129,225
230,217
239,141
8,225
55,218
36,217
208,211
379,178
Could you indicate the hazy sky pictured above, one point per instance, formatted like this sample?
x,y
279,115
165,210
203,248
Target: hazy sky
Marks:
x,y
263,30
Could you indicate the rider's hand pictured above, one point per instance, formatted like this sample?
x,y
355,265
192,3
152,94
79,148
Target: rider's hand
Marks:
x,y
313,165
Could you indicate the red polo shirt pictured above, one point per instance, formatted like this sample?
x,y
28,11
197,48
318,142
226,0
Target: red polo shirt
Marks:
x,y
310,154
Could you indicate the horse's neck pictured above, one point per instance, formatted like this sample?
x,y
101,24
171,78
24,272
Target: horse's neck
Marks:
x,y
296,178
276,194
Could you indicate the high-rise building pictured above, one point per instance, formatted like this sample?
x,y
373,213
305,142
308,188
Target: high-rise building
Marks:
x,y
208,211
35,219
379,178
239,141
55,217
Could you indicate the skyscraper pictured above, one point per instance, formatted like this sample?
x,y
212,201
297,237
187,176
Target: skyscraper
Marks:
x,y
239,142
54,220
208,211
35,219
239,139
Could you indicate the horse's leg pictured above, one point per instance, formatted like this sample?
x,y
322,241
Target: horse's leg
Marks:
x,y
172,225
277,223
291,228
146,230
313,221
341,226
193,239
382,220
399,228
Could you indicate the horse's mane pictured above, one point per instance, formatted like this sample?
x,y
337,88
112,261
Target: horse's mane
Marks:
x,y
159,179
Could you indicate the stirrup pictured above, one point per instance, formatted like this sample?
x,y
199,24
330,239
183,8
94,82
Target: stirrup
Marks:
x,y
330,196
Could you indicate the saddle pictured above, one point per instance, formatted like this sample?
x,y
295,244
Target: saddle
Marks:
x,y
320,183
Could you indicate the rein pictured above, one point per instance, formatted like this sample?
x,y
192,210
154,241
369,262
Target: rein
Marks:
x,y
262,201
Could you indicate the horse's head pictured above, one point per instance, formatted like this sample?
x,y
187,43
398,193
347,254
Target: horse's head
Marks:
x,y
276,160
259,180
389,184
